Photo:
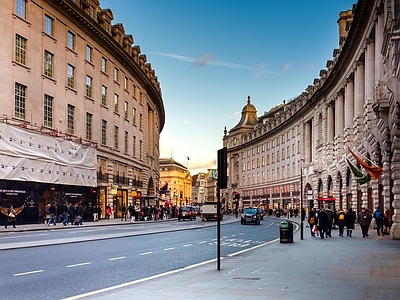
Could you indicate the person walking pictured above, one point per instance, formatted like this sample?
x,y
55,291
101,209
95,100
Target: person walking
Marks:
x,y
123,211
53,214
387,222
329,223
108,212
132,213
312,220
11,217
350,221
95,213
378,216
71,213
322,222
341,221
64,211
364,219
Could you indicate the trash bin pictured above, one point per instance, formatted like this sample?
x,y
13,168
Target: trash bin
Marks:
x,y
286,231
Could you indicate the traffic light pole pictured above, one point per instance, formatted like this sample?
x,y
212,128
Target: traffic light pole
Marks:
x,y
218,229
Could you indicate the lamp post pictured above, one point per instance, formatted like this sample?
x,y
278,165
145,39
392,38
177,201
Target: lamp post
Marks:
x,y
301,204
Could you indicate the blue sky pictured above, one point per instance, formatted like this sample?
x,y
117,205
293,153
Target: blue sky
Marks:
x,y
210,55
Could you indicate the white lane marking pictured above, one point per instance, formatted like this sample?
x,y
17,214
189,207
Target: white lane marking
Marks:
x,y
202,242
116,258
187,245
23,236
139,281
78,265
28,273
146,253
167,249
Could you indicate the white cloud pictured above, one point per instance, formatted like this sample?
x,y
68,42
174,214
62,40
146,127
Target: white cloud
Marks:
x,y
207,59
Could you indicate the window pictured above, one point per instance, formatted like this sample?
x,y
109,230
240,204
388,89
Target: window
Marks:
x,y
20,97
116,129
126,142
20,49
140,121
116,103
103,95
126,109
89,86
91,11
20,8
134,116
70,119
71,76
104,65
126,83
140,149
89,118
48,63
89,51
134,146
71,40
116,74
103,132
48,111
48,25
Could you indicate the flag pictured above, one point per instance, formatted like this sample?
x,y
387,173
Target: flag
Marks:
x,y
373,171
164,188
361,178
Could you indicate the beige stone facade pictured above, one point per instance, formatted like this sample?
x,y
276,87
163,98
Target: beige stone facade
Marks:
x,y
305,141
70,72
176,180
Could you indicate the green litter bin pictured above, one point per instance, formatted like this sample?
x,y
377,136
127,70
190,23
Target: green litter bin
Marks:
x,y
286,231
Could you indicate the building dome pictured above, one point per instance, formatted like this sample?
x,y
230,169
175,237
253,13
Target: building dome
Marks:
x,y
249,117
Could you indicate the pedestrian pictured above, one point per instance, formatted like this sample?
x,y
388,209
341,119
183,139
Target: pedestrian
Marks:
x,y
47,213
79,214
71,213
329,223
11,217
53,214
312,220
387,222
350,221
132,213
378,216
341,221
322,222
95,213
64,212
123,211
364,219
108,212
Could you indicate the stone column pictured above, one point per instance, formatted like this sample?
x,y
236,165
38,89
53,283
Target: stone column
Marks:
x,y
369,83
307,142
330,124
349,108
359,96
379,27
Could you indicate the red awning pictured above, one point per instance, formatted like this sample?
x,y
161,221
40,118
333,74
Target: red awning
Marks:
x,y
326,199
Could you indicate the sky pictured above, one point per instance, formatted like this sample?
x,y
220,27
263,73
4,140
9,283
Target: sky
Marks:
x,y
210,55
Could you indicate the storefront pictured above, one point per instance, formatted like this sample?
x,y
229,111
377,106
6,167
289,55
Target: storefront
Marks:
x,y
30,198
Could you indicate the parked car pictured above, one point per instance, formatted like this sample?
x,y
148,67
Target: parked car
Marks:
x,y
251,215
186,212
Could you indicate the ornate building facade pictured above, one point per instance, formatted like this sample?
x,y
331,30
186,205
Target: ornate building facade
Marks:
x,y
175,182
297,152
82,109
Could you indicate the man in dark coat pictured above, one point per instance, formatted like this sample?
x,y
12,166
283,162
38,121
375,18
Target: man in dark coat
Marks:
x,y
322,222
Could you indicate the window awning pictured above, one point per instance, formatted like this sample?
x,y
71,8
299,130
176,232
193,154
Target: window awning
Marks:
x,y
326,199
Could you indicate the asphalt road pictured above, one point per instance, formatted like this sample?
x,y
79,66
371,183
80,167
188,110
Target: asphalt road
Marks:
x,y
63,270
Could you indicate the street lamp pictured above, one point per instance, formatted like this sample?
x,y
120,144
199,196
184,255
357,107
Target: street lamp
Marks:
x,y
301,204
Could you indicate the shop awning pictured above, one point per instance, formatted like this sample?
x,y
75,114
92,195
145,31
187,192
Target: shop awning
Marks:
x,y
326,199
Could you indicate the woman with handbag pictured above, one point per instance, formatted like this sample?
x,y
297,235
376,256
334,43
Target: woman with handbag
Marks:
x,y
11,217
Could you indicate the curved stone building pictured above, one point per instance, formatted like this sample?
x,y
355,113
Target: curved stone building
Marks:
x,y
81,110
298,152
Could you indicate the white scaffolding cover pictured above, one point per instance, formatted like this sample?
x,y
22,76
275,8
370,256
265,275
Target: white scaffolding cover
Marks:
x,y
28,155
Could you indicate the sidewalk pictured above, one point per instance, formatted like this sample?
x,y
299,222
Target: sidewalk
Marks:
x,y
313,268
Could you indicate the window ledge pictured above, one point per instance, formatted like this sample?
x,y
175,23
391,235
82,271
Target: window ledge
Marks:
x,y
15,63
